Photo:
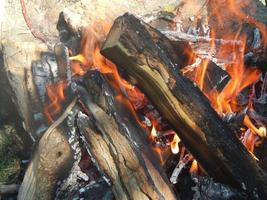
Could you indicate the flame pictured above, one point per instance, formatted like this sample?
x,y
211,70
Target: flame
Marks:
x,y
91,58
241,77
194,167
200,73
258,131
239,13
153,132
175,144
55,92
236,10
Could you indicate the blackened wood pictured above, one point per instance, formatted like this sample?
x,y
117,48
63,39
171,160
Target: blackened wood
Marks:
x,y
119,144
63,61
130,45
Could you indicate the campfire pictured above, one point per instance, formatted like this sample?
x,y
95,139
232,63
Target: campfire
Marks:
x,y
165,103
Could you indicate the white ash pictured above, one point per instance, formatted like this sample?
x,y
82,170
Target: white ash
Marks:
x,y
75,175
176,172
257,39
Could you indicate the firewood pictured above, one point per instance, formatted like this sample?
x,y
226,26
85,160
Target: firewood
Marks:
x,y
9,189
51,161
119,143
130,45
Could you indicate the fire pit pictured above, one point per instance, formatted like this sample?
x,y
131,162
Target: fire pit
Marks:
x,y
154,101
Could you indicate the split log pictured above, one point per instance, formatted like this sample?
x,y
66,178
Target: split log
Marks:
x,y
51,162
130,45
119,143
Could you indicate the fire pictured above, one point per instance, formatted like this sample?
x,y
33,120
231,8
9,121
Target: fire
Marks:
x,y
241,77
175,144
200,73
223,102
194,167
55,92
258,131
153,132
239,13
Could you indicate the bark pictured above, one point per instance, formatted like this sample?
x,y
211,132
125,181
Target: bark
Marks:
x,y
130,46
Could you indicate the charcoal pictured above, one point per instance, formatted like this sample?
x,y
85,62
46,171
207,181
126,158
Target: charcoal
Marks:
x,y
256,58
99,190
207,189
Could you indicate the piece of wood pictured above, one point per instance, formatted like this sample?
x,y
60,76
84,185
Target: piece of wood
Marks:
x,y
206,47
130,45
9,189
119,144
51,161
208,76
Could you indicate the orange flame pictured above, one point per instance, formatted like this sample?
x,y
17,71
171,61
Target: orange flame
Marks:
x,y
153,132
91,58
239,13
236,9
194,167
241,77
55,92
258,131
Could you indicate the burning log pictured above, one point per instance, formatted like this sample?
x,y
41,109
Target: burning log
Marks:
x,y
131,46
119,143
51,161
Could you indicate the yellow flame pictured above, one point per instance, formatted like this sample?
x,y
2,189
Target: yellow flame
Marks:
x,y
174,144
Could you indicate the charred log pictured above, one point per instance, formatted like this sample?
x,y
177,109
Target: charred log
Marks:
x,y
130,45
119,143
